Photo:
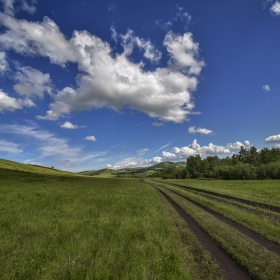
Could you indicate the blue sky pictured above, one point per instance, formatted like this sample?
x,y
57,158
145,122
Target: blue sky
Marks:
x,y
92,84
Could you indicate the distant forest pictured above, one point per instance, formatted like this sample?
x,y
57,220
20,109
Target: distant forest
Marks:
x,y
248,164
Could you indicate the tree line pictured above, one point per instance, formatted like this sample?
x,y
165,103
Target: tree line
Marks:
x,y
248,164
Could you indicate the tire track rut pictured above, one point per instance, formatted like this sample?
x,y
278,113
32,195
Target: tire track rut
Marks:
x,y
261,240
230,268
245,201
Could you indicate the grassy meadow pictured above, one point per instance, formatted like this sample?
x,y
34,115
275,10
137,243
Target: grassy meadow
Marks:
x,y
60,225
74,227
263,191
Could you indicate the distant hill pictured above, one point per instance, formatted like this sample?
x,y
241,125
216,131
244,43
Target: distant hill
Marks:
x,y
133,172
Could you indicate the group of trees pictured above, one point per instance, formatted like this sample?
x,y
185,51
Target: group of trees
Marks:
x,y
246,165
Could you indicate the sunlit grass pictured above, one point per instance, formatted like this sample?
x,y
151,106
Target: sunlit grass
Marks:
x,y
264,191
54,227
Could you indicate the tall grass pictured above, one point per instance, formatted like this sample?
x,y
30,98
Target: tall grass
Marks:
x,y
263,191
54,227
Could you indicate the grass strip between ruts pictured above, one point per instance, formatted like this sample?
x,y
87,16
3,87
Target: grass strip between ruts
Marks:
x,y
261,225
198,261
260,263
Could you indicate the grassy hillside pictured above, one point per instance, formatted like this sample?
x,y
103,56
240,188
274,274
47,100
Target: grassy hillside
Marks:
x,y
132,172
11,165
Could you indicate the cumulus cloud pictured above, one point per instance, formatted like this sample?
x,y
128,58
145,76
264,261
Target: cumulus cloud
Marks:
x,y
116,82
153,160
202,131
178,153
169,155
275,9
37,38
32,82
104,80
90,138
69,125
273,138
11,104
237,145
4,66
112,82
184,52
9,147
266,88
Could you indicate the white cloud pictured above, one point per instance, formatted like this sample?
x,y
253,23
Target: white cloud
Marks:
x,y
273,138
153,160
35,38
194,148
111,81
4,66
169,155
149,49
275,8
114,34
129,40
69,125
237,145
90,138
30,8
32,82
116,82
10,10
266,88
11,104
9,147
184,51
202,131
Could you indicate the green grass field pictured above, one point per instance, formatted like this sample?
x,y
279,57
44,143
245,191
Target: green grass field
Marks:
x,y
70,227
264,191
59,225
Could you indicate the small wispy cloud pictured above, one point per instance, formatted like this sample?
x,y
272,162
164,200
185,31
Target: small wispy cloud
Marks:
x,y
69,125
158,124
161,148
266,88
112,7
202,131
90,138
141,152
9,147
